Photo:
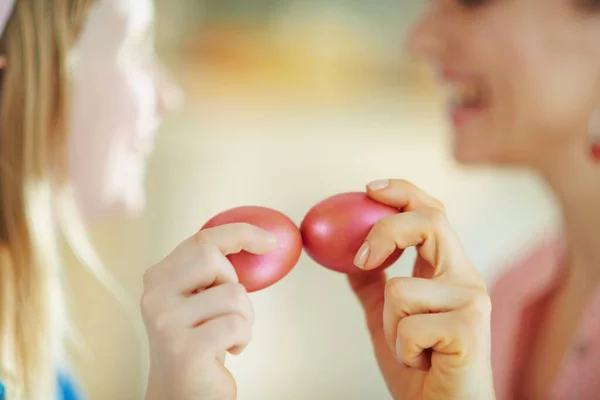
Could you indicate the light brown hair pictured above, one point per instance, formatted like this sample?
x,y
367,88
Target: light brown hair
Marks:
x,y
34,115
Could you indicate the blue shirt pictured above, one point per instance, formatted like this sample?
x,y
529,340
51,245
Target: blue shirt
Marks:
x,y
66,389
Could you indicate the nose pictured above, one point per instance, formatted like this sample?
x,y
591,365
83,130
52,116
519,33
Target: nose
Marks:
x,y
170,94
424,39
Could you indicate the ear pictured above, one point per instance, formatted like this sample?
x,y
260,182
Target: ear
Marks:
x,y
3,62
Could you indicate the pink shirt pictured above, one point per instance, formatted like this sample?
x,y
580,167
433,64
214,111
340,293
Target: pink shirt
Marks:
x,y
516,299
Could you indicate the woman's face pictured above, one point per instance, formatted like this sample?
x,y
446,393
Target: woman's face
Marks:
x,y
120,93
524,75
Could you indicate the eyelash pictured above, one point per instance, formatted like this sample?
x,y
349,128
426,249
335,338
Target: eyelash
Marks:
x,y
589,5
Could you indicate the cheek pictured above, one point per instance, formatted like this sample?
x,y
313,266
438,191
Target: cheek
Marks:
x,y
538,96
544,84
102,106
549,87
508,70
105,130
561,98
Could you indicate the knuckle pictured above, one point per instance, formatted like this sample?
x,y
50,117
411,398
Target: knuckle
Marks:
x,y
146,305
440,206
233,323
237,325
248,336
202,236
482,303
383,228
154,314
245,229
245,232
209,257
245,334
161,324
148,277
436,217
479,308
406,186
209,254
404,333
396,289
237,295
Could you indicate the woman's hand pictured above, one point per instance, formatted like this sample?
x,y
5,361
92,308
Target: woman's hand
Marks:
x,y
430,332
195,311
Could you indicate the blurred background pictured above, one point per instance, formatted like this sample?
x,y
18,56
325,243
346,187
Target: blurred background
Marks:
x,y
288,102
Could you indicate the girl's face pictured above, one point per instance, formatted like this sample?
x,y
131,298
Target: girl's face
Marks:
x,y
525,75
120,93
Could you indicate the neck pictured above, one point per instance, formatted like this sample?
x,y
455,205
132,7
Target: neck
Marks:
x,y
575,180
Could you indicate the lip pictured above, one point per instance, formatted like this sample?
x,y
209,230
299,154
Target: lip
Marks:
x,y
457,76
461,115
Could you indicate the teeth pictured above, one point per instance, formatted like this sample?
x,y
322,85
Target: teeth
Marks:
x,y
466,94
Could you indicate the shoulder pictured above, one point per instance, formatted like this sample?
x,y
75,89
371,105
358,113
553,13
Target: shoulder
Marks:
x,y
532,275
66,388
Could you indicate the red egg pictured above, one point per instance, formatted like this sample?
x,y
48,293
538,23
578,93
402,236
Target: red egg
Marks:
x,y
257,272
334,230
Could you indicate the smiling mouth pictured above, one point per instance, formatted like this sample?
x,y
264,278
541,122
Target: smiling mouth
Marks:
x,y
467,95
468,99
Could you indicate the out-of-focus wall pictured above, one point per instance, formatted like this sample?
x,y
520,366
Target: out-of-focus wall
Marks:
x,y
290,102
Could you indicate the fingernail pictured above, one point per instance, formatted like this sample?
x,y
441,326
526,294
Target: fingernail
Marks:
x,y
379,184
362,255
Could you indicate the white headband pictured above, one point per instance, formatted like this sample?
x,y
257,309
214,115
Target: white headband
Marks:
x,y
6,7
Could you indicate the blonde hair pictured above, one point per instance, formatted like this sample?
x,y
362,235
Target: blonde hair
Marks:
x,y
34,115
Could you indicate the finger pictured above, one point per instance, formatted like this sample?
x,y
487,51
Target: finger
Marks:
x,y
230,333
419,335
450,339
163,298
206,251
431,233
204,266
402,194
409,296
233,238
212,303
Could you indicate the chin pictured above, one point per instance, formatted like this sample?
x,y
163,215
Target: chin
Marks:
x,y
478,150
126,197
133,208
469,154
104,208
116,209
133,202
